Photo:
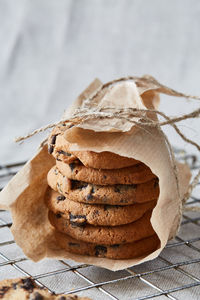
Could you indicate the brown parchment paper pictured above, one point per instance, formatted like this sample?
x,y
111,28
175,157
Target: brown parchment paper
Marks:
x,y
24,194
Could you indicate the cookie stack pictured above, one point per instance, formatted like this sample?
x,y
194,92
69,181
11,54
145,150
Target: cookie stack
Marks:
x,y
100,204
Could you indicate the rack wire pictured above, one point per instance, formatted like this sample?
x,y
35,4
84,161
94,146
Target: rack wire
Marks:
x,y
175,274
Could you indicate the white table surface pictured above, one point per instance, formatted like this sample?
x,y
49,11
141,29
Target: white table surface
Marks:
x,y
51,50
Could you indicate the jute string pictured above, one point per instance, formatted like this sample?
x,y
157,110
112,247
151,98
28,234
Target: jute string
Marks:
x,y
145,83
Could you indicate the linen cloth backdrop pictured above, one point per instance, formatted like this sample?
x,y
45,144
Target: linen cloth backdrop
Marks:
x,y
51,50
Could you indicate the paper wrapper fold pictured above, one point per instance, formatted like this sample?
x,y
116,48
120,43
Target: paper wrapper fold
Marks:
x,y
24,194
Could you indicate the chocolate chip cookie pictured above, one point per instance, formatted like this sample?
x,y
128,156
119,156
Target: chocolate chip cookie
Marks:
x,y
26,289
104,215
116,251
108,235
60,149
139,173
80,191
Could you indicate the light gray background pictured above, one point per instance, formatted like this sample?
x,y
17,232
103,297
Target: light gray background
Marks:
x,y
51,50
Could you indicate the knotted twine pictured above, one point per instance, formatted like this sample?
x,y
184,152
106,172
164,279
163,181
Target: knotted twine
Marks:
x,y
140,119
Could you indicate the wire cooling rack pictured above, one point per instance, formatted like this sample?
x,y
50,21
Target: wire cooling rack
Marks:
x,y
175,274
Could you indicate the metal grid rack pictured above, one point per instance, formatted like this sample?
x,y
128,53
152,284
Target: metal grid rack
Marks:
x,y
175,274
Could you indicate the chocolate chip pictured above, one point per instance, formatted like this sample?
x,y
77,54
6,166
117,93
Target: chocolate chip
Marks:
x,y
74,244
104,176
116,189
61,198
58,159
75,184
58,216
28,284
62,298
4,290
53,139
72,166
37,296
78,220
100,250
89,197
14,286
72,125
115,246
50,149
92,190
64,153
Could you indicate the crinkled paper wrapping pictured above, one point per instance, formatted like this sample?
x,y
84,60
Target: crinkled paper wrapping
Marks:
x,y
24,194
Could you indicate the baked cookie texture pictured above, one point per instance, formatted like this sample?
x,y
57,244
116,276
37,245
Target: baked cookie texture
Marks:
x,y
100,204
96,214
116,251
130,175
26,289
108,235
118,194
